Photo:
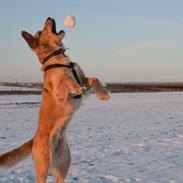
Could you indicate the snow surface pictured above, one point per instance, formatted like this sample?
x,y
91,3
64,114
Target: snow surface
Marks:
x,y
15,88
132,138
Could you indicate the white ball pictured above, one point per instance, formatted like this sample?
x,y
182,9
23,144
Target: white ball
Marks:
x,y
69,21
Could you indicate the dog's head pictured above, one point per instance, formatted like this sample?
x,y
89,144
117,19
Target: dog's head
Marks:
x,y
45,41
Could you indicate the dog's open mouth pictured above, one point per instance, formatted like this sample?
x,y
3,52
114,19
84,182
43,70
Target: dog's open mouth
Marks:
x,y
54,27
51,23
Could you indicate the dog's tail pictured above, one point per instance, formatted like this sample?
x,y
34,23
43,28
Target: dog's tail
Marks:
x,y
14,156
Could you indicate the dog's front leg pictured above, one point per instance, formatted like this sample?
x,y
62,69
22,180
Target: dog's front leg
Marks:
x,y
101,92
73,87
66,87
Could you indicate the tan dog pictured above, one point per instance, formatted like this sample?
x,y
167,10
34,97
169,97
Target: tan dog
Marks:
x,y
63,87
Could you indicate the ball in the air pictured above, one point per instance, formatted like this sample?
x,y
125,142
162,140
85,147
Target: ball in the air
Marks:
x,y
69,21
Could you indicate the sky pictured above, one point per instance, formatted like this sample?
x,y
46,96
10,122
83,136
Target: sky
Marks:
x,y
114,40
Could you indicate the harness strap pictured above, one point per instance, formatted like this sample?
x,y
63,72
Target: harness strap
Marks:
x,y
55,66
70,66
57,52
75,73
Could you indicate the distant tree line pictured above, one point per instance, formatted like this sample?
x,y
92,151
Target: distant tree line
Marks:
x,y
144,87
112,87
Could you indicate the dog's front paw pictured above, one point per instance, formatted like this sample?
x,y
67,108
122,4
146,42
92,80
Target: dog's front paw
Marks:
x,y
78,91
103,94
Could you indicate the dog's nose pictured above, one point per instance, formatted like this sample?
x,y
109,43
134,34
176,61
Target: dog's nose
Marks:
x,y
49,18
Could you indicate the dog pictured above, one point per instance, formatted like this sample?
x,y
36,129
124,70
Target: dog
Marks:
x,y
64,84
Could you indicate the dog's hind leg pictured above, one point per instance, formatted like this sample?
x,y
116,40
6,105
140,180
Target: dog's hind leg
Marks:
x,y
62,167
41,157
60,155
59,178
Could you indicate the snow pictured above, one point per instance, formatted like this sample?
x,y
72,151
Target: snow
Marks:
x,y
132,138
15,88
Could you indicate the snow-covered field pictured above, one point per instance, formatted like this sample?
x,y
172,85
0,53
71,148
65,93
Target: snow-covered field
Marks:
x,y
15,88
132,138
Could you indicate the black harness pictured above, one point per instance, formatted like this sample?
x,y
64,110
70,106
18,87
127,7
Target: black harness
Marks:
x,y
69,66
57,52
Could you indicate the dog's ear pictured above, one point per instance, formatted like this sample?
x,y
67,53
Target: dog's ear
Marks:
x,y
31,41
61,34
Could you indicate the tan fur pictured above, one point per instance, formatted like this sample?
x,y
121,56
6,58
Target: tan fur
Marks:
x,y
16,155
49,147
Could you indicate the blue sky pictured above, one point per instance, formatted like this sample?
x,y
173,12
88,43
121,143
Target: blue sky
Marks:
x,y
119,40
